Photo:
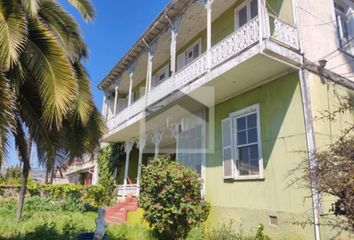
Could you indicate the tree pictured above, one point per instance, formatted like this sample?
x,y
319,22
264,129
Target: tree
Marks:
x,y
45,95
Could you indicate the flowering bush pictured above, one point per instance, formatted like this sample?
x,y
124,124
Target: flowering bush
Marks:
x,y
171,198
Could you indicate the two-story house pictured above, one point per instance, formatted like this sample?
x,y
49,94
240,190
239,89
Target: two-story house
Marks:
x,y
232,88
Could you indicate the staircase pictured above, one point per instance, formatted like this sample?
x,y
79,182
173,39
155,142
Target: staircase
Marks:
x,y
118,213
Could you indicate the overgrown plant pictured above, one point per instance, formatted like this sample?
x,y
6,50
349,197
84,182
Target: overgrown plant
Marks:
x,y
333,171
171,198
105,156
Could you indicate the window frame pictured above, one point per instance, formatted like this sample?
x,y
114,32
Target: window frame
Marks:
x,y
246,4
165,69
340,31
190,48
238,114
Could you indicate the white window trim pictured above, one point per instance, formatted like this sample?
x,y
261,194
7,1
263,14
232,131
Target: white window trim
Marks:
x,y
244,112
339,25
198,41
164,69
246,3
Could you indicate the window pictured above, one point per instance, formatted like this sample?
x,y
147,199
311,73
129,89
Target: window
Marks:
x,y
242,156
246,12
345,24
189,55
161,76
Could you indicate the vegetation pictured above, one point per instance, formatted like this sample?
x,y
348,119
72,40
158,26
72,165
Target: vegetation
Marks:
x,y
332,175
226,232
171,200
45,95
105,157
12,176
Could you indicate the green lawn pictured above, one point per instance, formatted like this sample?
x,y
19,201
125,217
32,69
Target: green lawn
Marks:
x,y
42,221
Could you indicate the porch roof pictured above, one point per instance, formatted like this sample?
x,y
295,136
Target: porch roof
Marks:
x,y
158,26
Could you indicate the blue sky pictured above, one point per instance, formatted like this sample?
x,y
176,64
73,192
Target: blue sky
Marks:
x,y
117,26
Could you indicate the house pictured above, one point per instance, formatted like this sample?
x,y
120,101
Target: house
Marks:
x,y
83,171
233,89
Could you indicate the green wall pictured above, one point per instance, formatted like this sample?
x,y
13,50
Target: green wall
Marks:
x,y
283,139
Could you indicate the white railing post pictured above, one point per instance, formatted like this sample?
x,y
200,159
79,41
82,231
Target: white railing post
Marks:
x,y
151,51
141,145
261,22
156,139
127,147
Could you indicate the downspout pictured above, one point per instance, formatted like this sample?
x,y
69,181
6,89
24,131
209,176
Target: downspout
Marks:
x,y
310,132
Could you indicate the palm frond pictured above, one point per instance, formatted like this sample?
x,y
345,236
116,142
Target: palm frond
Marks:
x,y
13,33
84,104
64,27
85,7
7,119
46,59
31,7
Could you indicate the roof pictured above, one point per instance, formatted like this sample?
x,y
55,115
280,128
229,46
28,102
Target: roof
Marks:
x,y
158,26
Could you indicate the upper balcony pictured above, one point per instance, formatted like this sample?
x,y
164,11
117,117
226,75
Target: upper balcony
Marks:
x,y
256,32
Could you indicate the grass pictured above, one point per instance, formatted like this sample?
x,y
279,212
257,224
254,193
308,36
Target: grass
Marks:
x,y
43,220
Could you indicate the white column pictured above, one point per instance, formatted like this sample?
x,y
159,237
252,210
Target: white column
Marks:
x,y
141,145
104,107
151,51
156,139
127,147
131,70
208,5
115,100
174,129
175,26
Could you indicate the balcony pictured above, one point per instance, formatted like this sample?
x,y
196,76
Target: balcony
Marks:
x,y
264,27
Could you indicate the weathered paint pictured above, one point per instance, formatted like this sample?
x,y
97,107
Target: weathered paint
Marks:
x,y
283,139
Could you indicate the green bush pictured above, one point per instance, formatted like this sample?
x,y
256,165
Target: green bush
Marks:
x,y
88,194
170,197
72,204
38,204
105,156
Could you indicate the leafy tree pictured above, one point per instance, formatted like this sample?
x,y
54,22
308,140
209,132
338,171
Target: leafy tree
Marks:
x,y
45,95
171,198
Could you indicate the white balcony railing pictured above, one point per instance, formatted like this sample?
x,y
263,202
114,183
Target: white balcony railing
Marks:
x,y
234,44
130,189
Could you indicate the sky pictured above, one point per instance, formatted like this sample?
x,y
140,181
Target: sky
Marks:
x,y
117,26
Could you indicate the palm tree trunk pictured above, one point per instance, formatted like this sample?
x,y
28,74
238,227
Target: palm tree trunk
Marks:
x,y
46,176
21,198
52,174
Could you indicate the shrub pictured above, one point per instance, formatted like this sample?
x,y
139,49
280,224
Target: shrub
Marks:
x,y
88,194
105,156
72,204
170,197
38,204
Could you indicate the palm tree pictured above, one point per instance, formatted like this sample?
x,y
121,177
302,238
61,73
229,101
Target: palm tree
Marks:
x,y
45,95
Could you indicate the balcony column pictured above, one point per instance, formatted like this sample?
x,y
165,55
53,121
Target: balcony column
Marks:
x,y
156,139
175,27
115,100
208,5
174,129
141,146
127,148
151,51
131,70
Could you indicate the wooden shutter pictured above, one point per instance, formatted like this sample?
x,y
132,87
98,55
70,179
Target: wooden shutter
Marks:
x,y
180,61
227,155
